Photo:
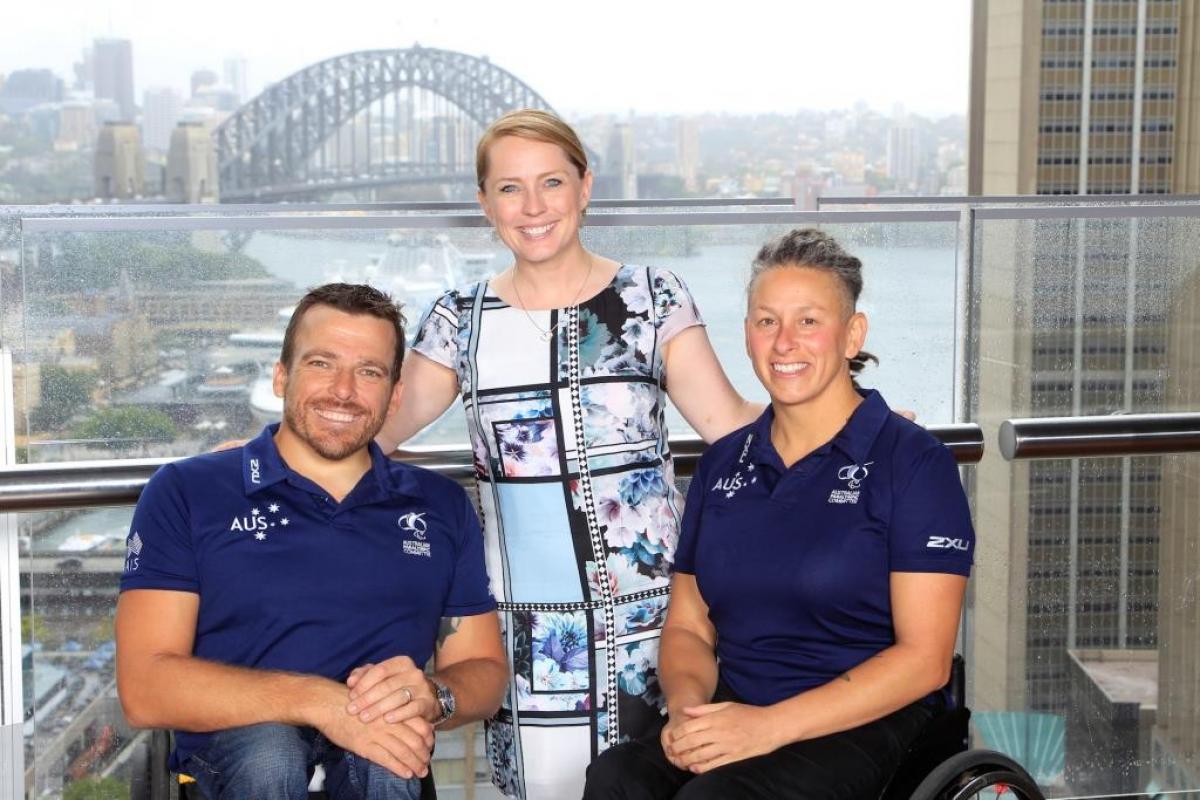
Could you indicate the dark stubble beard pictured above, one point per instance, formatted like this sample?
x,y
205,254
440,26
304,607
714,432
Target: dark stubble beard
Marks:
x,y
330,447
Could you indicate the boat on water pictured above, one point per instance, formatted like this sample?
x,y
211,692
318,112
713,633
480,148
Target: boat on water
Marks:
x,y
415,268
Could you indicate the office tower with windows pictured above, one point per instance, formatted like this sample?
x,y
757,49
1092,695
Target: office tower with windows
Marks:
x,y
1073,97
112,73
234,70
160,113
903,154
1176,736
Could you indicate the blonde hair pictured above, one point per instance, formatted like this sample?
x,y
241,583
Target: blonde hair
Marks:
x,y
535,124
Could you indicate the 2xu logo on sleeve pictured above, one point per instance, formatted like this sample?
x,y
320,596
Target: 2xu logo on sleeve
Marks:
x,y
946,543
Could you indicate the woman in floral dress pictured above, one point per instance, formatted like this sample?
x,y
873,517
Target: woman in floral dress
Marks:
x,y
563,363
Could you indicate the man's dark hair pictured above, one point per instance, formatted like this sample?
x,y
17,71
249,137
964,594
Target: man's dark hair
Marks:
x,y
351,298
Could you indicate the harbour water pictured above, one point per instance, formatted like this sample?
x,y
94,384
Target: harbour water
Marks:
x,y
909,299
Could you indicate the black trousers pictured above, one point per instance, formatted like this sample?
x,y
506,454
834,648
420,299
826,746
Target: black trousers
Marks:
x,y
851,765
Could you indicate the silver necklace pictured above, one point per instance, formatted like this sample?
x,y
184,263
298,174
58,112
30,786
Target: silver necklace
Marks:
x,y
547,335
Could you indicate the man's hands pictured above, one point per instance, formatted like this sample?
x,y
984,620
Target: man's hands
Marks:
x,y
403,748
707,736
395,690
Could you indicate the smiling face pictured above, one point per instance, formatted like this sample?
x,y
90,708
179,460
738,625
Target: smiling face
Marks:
x,y
535,197
799,332
338,390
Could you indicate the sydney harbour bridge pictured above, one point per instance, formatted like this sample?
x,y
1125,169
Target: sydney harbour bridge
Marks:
x,y
378,120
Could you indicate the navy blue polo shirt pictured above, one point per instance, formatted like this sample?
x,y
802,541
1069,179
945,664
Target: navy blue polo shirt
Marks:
x,y
794,563
289,579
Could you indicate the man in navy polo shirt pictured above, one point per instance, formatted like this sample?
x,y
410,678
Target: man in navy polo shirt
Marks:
x,y
260,581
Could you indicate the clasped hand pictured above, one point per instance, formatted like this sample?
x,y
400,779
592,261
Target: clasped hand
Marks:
x,y
387,718
395,689
704,737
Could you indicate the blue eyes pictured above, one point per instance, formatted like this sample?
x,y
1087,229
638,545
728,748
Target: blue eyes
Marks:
x,y
509,188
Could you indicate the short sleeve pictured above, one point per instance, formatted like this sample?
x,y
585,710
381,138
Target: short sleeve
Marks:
x,y
931,523
469,593
689,531
158,550
674,308
437,335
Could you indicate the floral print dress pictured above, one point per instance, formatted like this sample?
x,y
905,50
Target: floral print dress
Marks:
x,y
580,510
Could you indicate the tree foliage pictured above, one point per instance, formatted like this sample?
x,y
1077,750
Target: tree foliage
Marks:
x,y
96,789
127,426
64,393
86,263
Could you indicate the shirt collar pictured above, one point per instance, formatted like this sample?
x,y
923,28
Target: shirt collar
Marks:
x,y
862,429
262,466
855,439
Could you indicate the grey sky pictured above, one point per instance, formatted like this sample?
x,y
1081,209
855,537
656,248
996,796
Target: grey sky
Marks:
x,y
614,56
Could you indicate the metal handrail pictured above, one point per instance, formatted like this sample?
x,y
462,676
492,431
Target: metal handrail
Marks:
x,y
1004,199
297,218
43,487
1089,437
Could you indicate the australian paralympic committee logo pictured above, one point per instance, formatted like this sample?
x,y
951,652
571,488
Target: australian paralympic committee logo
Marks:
x,y
853,475
414,523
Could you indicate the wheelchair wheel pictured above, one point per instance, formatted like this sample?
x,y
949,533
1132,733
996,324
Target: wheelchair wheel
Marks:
x,y
982,774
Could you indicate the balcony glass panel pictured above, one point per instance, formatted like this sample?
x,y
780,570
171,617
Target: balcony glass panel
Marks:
x,y
152,336
1077,589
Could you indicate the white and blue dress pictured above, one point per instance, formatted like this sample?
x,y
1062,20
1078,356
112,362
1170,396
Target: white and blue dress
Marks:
x,y
581,513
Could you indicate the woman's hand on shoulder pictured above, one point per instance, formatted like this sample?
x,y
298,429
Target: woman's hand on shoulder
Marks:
x,y
429,388
715,734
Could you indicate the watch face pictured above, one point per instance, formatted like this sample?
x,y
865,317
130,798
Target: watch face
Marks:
x,y
445,699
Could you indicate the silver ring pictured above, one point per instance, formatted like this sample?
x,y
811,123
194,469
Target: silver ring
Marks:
x,y
408,692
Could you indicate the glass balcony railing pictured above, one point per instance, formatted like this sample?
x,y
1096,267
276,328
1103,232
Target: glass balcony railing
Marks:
x,y
134,333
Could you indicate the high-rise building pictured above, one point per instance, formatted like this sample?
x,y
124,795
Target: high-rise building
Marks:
x,y
903,154
1073,97
689,153
24,89
85,71
1045,72
160,114
621,161
235,77
76,125
1176,735
112,72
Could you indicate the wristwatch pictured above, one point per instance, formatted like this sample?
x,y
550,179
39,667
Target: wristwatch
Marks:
x,y
445,700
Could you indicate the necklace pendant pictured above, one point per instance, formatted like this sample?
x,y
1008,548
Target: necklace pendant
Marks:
x,y
547,336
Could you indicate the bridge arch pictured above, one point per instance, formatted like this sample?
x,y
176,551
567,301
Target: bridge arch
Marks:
x,y
267,144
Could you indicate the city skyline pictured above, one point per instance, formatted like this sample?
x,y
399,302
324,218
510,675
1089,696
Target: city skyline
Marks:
x,y
736,64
